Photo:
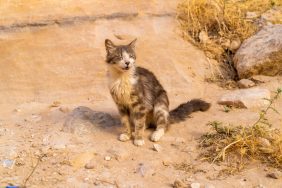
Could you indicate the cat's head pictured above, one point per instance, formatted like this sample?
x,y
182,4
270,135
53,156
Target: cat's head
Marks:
x,y
121,57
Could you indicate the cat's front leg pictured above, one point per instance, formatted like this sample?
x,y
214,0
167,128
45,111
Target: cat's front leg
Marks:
x,y
139,119
125,121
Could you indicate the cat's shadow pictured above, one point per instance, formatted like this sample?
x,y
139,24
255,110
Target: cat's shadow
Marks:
x,y
83,119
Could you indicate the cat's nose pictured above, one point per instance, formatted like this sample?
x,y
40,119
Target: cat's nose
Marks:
x,y
127,62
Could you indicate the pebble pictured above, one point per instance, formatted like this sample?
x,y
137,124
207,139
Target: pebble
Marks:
x,y
275,175
157,147
235,44
90,164
107,158
204,37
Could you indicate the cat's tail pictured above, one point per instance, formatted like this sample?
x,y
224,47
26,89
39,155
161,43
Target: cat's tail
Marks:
x,y
183,111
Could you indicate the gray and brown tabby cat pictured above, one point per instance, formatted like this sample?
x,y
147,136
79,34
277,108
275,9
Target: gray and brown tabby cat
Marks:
x,y
139,96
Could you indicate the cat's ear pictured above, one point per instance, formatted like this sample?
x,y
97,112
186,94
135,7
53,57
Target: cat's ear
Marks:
x,y
110,47
132,44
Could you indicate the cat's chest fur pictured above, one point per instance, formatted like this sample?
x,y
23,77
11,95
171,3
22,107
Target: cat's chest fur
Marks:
x,y
121,87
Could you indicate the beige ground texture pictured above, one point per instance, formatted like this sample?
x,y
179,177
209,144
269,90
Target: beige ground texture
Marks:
x,y
53,90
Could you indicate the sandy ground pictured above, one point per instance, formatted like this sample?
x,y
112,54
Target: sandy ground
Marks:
x,y
55,105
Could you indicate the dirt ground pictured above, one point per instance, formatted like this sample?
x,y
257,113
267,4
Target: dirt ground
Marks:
x,y
56,113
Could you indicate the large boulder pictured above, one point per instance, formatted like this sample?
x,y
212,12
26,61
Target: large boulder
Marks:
x,y
261,53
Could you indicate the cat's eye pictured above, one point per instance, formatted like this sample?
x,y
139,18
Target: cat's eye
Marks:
x,y
131,56
120,58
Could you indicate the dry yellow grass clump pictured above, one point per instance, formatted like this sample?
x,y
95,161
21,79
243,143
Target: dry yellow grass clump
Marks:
x,y
219,26
238,145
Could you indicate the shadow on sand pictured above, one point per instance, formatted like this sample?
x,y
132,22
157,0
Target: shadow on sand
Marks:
x,y
83,119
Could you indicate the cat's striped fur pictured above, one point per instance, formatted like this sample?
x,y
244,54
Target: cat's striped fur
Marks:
x,y
140,98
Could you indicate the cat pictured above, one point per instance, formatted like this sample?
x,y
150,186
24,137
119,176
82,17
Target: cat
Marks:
x,y
140,98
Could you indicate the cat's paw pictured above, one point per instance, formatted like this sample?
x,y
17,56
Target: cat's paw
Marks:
x,y
124,137
139,142
156,136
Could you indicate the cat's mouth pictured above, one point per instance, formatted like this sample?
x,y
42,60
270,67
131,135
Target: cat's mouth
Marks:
x,y
126,68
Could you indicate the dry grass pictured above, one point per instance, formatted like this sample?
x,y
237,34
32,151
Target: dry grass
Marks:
x,y
236,146
212,25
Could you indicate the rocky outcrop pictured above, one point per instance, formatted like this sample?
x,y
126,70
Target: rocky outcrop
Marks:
x,y
261,53
246,98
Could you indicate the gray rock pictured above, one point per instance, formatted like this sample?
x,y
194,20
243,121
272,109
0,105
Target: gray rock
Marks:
x,y
245,83
246,98
261,53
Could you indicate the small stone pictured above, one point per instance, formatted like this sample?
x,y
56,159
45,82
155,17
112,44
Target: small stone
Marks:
x,y
195,185
209,186
179,184
17,110
107,158
245,83
235,44
89,165
204,37
275,175
157,147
